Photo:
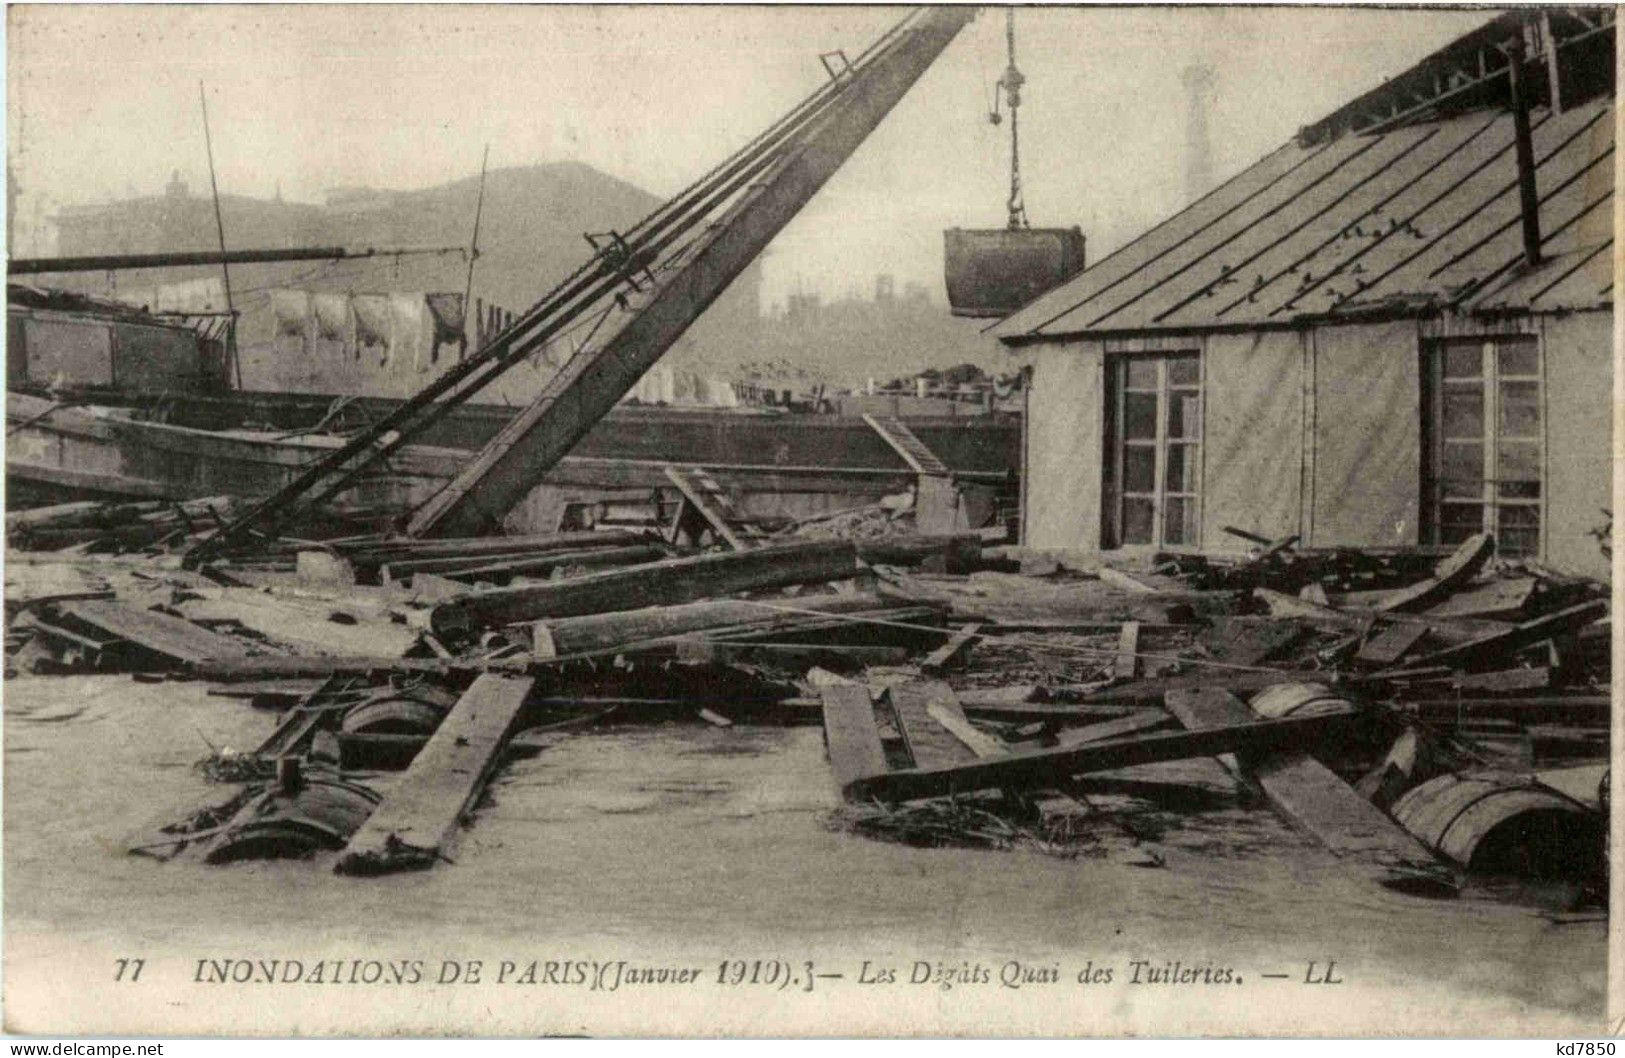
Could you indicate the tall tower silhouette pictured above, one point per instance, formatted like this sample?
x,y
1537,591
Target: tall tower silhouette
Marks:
x,y
1198,80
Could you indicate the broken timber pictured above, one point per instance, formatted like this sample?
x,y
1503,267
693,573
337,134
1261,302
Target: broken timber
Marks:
x,y
677,580
1312,798
850,734
1502,644
415,825
930,744
1046,767
172,637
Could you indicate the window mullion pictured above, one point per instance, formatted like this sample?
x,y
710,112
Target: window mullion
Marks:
x,y
1159,486
1492,412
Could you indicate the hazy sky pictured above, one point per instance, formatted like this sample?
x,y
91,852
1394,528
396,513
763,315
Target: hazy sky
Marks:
x,y
103,103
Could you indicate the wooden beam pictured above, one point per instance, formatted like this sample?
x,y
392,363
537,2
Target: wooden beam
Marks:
x,y
1500,645
952,653
676,580
929,743
850,734
173,637
1046,767
1312,798
1138,720
1390,644
1127,665
418,823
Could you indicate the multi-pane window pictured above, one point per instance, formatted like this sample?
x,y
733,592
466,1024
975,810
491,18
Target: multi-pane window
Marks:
x,y
1155,458
1487,441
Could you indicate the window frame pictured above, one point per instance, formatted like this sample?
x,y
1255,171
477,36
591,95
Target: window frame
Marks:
x,y
1488,384
1160,443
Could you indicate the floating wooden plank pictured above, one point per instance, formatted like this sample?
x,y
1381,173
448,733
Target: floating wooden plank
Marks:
x,y
1126,667
1138,720
677,580
850,734
1448,576
417,824
1046,767
1390,644
173,637
952,653
1501,645
929,743
1312,798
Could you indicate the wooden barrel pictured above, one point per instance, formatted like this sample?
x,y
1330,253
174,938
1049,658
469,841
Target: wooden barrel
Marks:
x,y
1500,827
1297,700
992,273
321,815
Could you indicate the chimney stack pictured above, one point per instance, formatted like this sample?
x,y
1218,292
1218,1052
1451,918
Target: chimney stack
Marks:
x,y
1198,80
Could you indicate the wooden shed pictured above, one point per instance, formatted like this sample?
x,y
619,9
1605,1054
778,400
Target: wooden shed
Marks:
x,y
1395,330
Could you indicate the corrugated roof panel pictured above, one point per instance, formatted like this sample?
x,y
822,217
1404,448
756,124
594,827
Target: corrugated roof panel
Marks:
x,y
1562,281
1413,217
1317,209
1470,237
1173,267
1291,262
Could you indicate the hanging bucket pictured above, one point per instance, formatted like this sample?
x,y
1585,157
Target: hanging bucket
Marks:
x,y
1504,828
992,273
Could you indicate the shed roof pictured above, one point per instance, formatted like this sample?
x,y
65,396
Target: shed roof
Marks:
x,y
1418,218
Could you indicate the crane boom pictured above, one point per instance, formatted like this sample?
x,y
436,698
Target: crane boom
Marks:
x,y
597,377
638,293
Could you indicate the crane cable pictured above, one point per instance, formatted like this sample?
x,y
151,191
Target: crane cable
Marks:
x,y
1011,83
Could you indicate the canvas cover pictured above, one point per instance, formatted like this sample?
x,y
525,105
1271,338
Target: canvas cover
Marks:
x,y
1253,467
1367,435
1063,449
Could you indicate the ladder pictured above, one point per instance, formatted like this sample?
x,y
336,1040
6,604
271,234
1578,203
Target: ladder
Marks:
x,y
711,501
913,450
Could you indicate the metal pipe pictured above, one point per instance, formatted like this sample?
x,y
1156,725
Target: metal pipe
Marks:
x,y
122,262
1528,199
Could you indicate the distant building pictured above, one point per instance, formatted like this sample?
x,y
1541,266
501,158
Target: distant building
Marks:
x,y
1348,342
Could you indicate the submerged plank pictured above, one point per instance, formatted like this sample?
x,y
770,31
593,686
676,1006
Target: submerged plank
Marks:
x,y
417,824
1312,798
851,735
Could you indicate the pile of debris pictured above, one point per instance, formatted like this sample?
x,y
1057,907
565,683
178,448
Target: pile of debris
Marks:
x,y
1425,714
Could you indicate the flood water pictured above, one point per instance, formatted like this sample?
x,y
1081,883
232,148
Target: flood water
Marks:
x,y
683,845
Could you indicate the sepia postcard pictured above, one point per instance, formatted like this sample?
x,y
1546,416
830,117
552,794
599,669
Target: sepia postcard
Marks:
x,y
774,520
